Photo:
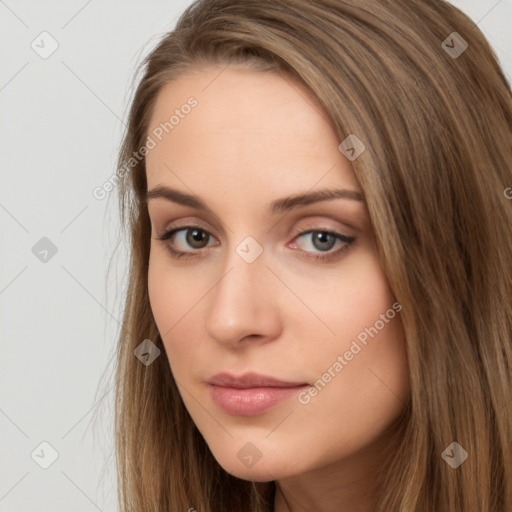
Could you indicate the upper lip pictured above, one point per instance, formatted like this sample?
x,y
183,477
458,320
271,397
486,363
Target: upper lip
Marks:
x,y
250,380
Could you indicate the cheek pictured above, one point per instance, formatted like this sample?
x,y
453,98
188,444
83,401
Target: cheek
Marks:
x,y
360,376
363,291
363,367
173,301
162,302
173,292
370,332
176,299
350,301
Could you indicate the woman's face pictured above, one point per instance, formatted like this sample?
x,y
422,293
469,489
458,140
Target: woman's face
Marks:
x,y
269,284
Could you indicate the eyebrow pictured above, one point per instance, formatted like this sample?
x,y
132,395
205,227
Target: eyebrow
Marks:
x,y
277,206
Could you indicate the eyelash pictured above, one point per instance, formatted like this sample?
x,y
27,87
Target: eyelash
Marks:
x,y
326,257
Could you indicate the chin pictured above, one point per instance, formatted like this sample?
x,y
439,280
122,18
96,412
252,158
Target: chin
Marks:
x,y
262,471
254,475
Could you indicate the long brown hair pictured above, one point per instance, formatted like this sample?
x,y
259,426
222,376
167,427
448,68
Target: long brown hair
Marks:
x,y
419,84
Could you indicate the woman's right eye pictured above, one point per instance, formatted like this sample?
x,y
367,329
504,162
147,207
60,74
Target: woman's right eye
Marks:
x,y
191,236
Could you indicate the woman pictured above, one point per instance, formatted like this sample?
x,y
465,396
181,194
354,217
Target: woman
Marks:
x,y
319,307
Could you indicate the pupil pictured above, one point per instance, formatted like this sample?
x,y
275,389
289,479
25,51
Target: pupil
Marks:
x,y
323,240
195,237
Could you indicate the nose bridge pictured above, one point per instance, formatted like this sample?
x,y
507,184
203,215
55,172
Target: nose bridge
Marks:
x,y
242,303
244,267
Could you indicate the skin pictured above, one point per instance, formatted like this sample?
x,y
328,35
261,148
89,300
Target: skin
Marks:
x,y
255,137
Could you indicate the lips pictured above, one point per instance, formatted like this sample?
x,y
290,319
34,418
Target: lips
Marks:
x,y
250,394
250,380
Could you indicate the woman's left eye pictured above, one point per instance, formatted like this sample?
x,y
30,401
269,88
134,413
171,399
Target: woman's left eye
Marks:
x,y
324,241
320,240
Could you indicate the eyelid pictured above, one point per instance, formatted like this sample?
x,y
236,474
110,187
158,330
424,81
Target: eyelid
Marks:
x,y
185,223
320,224
170,231
330,231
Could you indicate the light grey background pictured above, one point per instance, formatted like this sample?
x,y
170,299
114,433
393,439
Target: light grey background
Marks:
x,y
61,123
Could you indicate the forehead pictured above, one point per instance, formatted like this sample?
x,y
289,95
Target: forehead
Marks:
x,y
225,92
245,126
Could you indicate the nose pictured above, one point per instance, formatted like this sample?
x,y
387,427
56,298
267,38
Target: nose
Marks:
x,y
244,304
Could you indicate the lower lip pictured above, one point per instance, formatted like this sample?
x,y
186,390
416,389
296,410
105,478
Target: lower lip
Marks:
x,y
251,401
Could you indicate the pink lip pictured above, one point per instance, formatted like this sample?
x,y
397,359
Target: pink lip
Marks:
x,y
250,394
